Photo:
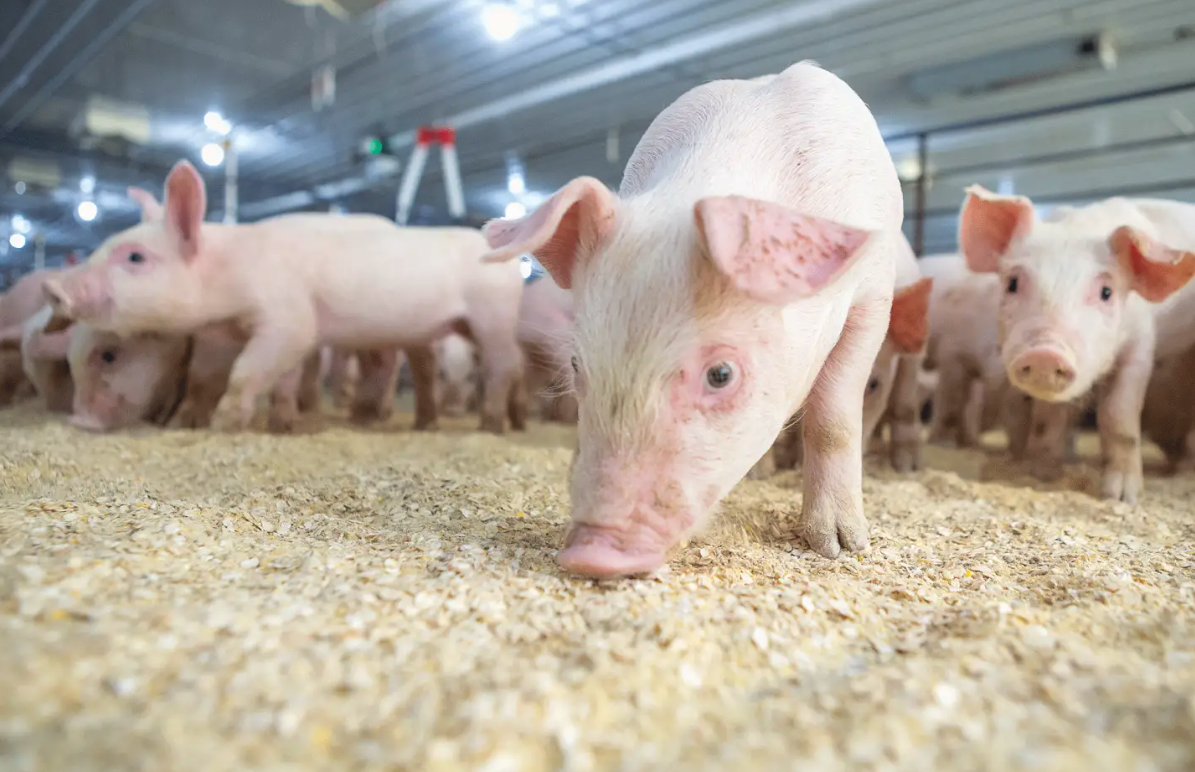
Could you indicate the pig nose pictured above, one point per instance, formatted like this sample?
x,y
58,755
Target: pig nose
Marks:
x,y
602,552
86,421
1042,371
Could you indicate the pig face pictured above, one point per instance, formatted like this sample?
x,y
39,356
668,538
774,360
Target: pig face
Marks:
x,y
144,278
120,381
1067,288
687,352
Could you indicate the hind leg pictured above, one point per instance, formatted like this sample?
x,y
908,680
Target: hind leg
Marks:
x,y
309,387
284,402
422,363
374,398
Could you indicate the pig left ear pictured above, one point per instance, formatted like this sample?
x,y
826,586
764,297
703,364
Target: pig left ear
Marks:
x,y
186,204
989,224
772,253
908,324
1158,271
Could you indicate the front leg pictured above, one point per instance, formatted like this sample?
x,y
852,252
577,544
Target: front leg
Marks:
x,y
270,354
832,510
1120,423
905,405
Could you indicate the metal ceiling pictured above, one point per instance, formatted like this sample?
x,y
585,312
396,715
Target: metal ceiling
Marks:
x,y
553,93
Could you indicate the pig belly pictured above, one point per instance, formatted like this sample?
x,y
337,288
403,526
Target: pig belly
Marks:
x,y
414,326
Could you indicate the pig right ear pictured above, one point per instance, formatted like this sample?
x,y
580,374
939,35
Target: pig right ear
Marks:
x,y
151,210
574,221
186,204
1158,271
772,253
989,224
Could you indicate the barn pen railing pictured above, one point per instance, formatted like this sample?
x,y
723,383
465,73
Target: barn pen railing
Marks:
x,y
923,138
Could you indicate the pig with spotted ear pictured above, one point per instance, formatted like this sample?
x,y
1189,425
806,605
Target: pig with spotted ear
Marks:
x,y
1090,296
746,267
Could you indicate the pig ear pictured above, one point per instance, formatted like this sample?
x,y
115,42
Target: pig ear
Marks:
x,y
772,253
989,224
1158,271
908,324
574,221
186,203
151,210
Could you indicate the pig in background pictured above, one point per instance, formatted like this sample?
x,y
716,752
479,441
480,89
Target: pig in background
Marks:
x,y
458,375
1091,295
740,272
295,282
1168,417
21,302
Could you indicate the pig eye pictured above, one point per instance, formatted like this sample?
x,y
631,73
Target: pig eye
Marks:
x,y
136,257
1012,285
1106,294
108,356
720,375
872,385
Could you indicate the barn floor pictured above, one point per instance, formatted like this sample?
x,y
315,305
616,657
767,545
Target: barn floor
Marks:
x,y
385,600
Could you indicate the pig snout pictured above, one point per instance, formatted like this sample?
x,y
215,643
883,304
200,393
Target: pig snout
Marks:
x,y
99,411
80,294
637,546
1042,372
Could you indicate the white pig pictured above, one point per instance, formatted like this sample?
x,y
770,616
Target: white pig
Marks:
x,y
1091,294
744,268
295,282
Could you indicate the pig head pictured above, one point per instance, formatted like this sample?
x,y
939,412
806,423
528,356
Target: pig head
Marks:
x,y
686,357
147,278
1074,287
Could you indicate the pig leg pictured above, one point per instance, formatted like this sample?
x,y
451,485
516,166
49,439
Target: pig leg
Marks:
x,y
1045,443
341,382
1119,421
374,398
502,364
905,426
950,401
832,507
517,402
971,423
269,355
422,362
284,401
309,386
789,449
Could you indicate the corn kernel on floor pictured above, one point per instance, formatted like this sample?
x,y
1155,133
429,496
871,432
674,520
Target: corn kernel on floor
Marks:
x,y
384,600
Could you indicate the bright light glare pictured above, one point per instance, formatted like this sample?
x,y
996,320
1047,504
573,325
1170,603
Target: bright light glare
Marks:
x,y
212,154
87,184
216,122
525,267
20,224
549,10
500,20
516,184
515,210
17,241
88,211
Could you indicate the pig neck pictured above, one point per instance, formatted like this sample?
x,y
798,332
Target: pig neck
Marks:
x,y
227,273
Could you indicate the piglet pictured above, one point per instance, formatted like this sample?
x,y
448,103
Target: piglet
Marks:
x,y
295,282
1089,295
545,324
745,268
21,302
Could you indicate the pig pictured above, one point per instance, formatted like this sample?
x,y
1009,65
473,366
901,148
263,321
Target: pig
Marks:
x,y
1091,294
973,393
456,375
296,282
343,373
43,356
1168,417
545,322
22,301
746,266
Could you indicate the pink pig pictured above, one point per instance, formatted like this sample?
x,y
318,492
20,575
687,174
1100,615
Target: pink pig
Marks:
x,y
745,268
295,282
43,359
22,301
1089,294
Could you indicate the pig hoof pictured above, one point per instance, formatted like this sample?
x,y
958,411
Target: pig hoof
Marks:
x,y
1120,486
829,536
366,413
282,424
427,425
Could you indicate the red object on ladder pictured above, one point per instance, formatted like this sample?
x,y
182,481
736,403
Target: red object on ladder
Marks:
x,y
425,137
